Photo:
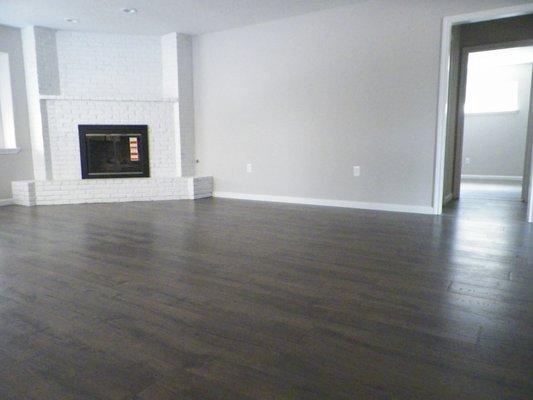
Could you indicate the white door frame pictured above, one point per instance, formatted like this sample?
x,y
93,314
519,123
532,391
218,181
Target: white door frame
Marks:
x,y
440,147
529,132
530,200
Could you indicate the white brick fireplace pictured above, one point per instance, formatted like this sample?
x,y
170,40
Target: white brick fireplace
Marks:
x,y
76,78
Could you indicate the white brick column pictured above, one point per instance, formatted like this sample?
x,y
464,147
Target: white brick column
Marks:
x,y
176,60
42,78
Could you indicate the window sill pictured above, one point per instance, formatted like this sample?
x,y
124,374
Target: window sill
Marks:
x,y
15,150
492,112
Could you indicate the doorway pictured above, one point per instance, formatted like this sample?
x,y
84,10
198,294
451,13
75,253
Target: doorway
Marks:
x,y
483,163
490,157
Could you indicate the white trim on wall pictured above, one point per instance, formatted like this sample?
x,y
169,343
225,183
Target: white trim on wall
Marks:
x,y
530,197
492,177
447,24
6,202
327,202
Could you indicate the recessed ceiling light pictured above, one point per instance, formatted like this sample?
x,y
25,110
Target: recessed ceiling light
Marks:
x,y
130,10
72,20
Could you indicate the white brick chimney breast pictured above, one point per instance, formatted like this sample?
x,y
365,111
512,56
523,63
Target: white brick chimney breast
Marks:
x,y
79,78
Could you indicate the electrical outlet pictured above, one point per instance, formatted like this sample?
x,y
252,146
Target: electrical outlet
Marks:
x,y
249,168
356,171
467,161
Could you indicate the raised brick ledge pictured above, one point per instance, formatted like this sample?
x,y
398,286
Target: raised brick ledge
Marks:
x,y
140,99
31,193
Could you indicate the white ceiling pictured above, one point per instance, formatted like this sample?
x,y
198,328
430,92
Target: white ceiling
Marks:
x,y
155,16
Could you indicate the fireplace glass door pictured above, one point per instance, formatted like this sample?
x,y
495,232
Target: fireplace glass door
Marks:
x,y
111,151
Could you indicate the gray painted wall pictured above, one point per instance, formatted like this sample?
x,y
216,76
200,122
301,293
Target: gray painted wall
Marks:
x,y
16,166
304,99
495,143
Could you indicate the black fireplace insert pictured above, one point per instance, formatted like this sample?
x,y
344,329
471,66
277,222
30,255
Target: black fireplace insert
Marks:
x,y
114,151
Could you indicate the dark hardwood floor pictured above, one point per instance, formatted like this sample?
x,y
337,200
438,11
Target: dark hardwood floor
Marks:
x,y
226,299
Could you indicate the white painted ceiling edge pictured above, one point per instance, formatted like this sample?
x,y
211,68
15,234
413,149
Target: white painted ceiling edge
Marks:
x,y
155,17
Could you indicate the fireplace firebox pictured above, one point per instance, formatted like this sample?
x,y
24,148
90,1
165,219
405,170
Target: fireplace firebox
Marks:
x,y
114,151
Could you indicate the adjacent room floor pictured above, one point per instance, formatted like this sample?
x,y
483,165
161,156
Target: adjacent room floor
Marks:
x,y
227,299
498,201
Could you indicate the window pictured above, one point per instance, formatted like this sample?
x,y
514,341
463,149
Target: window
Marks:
x,y
7,120
491,96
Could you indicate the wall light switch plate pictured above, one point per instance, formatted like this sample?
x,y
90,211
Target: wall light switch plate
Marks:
x,y
249,168
356,171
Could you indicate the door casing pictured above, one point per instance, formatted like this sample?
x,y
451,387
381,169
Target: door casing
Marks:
x,y
444,81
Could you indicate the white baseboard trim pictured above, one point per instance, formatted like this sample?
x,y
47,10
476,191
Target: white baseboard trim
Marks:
x,y
493,178
327,202
6,202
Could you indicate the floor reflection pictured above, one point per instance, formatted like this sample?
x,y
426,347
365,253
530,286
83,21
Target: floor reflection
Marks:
x,y
489,250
